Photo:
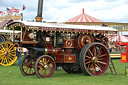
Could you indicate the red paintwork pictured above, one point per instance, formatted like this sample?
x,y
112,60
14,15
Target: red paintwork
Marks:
x,y
25,38
58,51
124,56
68,51
49,49
69,43
59,58
82,38
69,58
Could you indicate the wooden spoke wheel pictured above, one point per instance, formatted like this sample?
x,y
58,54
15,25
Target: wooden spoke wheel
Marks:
x,y
45,66
94,59
27,66
7,54
68,69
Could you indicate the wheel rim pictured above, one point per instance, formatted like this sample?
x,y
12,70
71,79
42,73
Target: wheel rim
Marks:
x,y
45,66
96,59
27,66
7,54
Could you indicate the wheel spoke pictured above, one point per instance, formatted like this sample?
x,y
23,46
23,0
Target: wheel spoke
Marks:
x,y
101,62
98,50
91,66
88,62
102,55
98,64
90,52
44,73
2,47
49,70
94,69
98,67
42,64
49,65
88,65
25,68
47,61
29,70
88,57
99,53
100,59
41,71
94,48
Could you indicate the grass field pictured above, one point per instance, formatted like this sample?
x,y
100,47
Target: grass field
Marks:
x,y
62,78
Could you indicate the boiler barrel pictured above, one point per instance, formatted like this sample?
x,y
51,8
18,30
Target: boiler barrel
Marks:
x,y
47,50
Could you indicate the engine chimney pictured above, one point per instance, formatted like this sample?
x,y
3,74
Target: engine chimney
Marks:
x,y
39,12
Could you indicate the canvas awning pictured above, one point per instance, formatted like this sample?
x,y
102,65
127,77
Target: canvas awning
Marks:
x,y
62,27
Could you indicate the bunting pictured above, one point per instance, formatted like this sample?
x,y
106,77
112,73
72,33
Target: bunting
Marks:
x,y
9,11
15,10
1,12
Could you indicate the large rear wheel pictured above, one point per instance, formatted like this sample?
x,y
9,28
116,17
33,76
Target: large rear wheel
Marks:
x,y
94,59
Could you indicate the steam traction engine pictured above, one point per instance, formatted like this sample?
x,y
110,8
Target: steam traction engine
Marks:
x,y
52,44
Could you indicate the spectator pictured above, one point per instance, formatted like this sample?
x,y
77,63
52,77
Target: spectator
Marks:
x,y
25,51
18,53
100,38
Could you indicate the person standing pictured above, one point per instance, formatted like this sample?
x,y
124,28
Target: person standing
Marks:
x,y
18,53
25,51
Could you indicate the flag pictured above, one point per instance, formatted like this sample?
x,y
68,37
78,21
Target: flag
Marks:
x,y
24,7
1,12
15,10
9,11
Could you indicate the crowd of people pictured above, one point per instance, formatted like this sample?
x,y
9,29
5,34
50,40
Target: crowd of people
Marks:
x,y
111,45
114,47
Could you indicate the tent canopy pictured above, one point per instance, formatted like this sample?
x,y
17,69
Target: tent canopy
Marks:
x,y
118,38
83,18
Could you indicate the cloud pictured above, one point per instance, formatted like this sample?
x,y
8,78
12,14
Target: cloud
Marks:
x,y
62,10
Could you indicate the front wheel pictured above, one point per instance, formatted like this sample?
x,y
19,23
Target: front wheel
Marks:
x,y
27,66
45,66
94,59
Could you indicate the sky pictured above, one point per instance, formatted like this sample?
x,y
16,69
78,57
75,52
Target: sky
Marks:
x,y
62,10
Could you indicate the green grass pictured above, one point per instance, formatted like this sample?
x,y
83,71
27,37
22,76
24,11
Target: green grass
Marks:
x,y
62,78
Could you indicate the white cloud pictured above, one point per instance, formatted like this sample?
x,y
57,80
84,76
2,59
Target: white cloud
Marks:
x,y
62,10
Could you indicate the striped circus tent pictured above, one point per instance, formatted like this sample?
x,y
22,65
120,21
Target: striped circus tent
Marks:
x,y
118,38
83,18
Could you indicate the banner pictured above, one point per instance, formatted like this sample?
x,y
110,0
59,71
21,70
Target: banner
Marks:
x,y
9,16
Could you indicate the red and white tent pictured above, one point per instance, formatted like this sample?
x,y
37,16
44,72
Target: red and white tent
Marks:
x,y
83,18
118,38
